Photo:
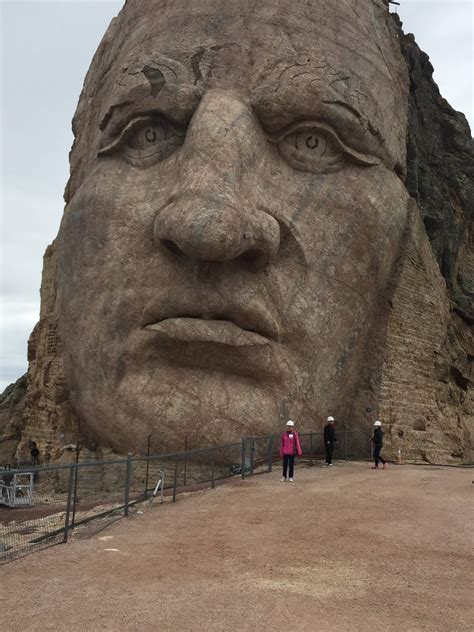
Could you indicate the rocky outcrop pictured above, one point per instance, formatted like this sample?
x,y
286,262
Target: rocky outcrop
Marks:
x,y
426,405
48,418
431,329
440,176
12,407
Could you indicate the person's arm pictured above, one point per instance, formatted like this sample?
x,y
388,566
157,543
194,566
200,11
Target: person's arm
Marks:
x,y
298,444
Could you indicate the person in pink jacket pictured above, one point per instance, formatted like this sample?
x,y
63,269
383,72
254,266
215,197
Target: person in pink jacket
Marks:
x,y
289,448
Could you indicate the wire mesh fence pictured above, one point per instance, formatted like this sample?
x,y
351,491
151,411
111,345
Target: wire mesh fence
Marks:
x,y
42,506
259,453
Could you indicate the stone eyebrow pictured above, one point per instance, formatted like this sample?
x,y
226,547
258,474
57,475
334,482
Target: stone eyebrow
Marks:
x,y
149,83
177,103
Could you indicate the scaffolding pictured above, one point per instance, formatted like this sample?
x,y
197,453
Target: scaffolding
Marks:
x,y
16,489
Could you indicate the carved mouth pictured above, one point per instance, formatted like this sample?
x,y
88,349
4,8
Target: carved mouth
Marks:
x,y
200,330
242,329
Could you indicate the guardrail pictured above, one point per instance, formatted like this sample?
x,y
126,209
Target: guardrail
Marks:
x,y
79,497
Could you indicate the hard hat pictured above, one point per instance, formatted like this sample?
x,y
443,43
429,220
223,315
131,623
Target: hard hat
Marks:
x,y
290,423
377,423
330,418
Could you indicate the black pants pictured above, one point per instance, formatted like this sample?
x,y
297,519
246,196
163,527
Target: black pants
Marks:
x,y
329,448
288,463
377,456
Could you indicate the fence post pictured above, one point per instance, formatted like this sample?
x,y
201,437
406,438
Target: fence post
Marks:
x,y
185,466
147,466
127,483
212,468
270,453
311,448
243,457
76,476
70,491
162,476
345,442
175,479
251,455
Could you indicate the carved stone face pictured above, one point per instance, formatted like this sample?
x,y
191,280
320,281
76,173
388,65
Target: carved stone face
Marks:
x,y
234,216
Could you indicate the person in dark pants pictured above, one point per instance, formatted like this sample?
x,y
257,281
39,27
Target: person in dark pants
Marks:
x,y
34,453
329,439
289,448
34,458
377,441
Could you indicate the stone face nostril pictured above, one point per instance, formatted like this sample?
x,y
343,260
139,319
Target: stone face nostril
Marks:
x,y
251,255
172,247
192,228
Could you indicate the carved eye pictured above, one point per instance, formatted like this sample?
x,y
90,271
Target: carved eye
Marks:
x,y
146,141
317,149
148,137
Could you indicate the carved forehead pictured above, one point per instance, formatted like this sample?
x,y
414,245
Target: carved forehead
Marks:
x,y
290,50
277,53
246,36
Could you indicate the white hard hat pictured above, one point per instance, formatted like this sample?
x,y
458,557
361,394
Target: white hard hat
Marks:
x,y
377,423
290,423
330,418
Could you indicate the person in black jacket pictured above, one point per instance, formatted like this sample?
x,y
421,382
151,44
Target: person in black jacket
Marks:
x,y
329,439
378,443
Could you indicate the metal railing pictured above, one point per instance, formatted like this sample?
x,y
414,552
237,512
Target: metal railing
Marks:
x,y
83,497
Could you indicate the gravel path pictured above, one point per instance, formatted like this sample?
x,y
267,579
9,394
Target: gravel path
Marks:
x,y
342,548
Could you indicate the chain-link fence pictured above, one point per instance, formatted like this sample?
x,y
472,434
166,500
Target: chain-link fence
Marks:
x,y
41,506
259,453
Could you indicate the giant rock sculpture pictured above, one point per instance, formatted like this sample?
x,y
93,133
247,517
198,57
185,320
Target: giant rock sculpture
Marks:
x,y
239,243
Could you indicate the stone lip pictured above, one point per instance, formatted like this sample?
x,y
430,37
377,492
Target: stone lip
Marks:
x,y
201,330
201,318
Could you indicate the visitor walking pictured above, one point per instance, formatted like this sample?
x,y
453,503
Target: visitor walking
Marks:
x,y
377,440
329,439
289,448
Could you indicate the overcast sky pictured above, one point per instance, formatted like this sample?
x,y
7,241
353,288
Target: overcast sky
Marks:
x,y
46,48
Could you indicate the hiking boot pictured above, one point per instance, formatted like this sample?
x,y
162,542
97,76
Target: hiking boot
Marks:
x,y
283,480
291,480
374,467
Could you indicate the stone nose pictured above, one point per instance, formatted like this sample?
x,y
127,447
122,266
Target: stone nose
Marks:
x,y
213,213
202,229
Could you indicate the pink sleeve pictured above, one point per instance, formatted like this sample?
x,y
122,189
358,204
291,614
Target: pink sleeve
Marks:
x,y
298,444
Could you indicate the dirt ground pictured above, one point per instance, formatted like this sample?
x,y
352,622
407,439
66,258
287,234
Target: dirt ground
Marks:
x,y
342,548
